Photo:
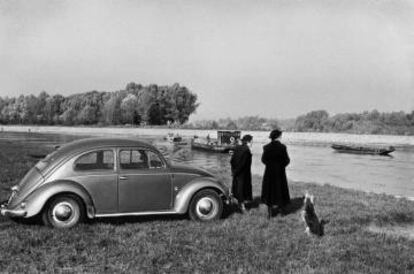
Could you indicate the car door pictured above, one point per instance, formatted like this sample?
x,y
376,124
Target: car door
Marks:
x,y
144,181
95,170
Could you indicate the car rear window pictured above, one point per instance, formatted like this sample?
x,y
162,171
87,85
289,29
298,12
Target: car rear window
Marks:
x,y
101,159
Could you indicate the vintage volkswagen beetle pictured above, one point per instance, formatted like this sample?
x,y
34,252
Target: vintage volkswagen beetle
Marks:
x,y
110,177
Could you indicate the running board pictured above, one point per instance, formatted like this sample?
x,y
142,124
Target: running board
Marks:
x,y
136,214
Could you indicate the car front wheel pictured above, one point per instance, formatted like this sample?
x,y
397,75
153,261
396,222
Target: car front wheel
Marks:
x,y
205,206
64,211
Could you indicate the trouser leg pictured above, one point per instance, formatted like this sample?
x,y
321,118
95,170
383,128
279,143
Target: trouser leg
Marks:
x,y
269,211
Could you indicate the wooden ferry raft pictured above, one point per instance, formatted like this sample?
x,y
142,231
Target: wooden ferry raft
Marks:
x,y
225,142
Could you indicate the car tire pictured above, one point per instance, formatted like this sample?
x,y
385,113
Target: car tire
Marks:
x,y
63,211
206,205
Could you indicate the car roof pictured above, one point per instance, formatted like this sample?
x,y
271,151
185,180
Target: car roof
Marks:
x,y
97,142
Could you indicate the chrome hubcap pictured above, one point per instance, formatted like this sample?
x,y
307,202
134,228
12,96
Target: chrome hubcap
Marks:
x,y
206,208
62,212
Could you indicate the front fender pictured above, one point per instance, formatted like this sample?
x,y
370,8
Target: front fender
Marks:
x,y
184,196
38,198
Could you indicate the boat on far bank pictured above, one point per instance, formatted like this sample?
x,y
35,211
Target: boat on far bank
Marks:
x,y
226,141
363,149
175,139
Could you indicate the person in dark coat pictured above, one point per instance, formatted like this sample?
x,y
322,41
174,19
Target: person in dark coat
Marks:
x,y
275,191
241,162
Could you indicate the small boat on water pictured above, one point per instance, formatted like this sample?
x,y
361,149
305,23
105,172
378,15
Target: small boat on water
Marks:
x,y
226,141
175,139
363,149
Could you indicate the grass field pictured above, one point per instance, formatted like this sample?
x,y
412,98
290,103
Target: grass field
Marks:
x,y
238,243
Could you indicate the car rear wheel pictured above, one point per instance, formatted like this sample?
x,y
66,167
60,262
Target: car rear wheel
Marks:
x,y
64,211
205,206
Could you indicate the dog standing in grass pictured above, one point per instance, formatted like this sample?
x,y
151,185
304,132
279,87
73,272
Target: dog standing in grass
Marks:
x,y
313,225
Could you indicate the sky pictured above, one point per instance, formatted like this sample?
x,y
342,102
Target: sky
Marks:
x,y
272,58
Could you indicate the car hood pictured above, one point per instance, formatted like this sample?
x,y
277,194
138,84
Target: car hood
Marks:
x,y
190,170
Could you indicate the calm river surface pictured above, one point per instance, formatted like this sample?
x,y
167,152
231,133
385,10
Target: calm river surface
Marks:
x,y
312,159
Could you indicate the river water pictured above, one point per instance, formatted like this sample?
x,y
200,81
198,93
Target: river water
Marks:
x,y
312,159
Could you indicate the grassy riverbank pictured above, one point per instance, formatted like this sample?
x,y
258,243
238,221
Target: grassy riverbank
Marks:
x,y
239,243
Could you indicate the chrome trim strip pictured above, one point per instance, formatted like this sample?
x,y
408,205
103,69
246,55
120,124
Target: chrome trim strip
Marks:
x,y
185,173
142,174
136,214
89,175
14,192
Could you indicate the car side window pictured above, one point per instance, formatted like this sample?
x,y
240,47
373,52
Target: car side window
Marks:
x,y
155,160
101,159
133,159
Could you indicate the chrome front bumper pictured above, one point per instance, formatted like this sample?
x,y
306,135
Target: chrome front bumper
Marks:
x,y
12,212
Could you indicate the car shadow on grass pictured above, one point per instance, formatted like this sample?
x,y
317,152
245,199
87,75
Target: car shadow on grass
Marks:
x,y
138,219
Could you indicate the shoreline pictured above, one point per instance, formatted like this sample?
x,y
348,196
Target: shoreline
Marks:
x,y
304,138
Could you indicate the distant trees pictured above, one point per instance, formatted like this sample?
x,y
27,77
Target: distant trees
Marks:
x,y
154,105
312,121
367,122
165,105
245,123
129,106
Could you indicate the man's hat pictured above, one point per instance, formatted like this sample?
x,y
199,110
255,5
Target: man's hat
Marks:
x,y
247,138
274,134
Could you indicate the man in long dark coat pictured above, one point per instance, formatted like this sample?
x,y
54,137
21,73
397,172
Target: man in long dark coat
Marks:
x,y
241,162
275,191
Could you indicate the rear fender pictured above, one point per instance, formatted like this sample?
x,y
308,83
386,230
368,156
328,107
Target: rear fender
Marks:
x,y
38,198
184,196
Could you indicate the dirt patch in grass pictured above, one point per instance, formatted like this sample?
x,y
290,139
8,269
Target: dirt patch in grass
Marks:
x,y
406,230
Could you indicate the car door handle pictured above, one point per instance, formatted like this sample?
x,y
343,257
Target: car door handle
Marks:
x,y
123,178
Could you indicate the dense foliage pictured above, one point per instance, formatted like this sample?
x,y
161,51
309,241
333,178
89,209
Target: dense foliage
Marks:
x,y
367,122
245,123
165,105
136,104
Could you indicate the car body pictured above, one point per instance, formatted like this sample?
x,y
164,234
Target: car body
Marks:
x,y
112,177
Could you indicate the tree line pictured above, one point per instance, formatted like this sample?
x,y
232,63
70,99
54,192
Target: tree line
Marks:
x,y
367,122
245,123
173,105
136,104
